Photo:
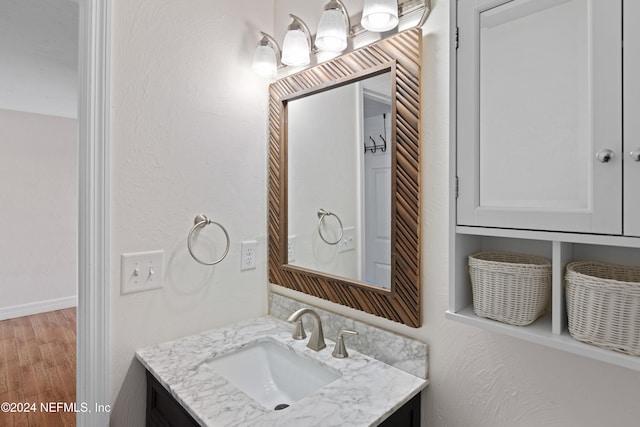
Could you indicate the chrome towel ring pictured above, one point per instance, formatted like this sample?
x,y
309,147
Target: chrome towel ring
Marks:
x,y
322,214
202,221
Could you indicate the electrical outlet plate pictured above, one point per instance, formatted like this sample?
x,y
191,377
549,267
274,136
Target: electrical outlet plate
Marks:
x,y
291,249
141,271
248,255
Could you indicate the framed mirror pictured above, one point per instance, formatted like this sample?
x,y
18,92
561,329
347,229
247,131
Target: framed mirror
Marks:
x,y
344,179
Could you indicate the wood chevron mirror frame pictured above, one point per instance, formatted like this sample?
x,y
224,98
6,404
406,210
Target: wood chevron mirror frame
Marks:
x,y
401,54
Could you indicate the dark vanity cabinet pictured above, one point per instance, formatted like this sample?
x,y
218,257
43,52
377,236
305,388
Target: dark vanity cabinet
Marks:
x,y
407,416
164,411
162,408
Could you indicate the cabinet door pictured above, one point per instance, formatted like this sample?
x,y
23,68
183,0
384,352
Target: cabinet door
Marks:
x,y
539,102
631,118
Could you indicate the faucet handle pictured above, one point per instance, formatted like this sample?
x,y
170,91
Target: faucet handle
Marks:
x,y
340,350
299,333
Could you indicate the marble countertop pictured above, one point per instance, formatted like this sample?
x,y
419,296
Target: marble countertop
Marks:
x,y
367,392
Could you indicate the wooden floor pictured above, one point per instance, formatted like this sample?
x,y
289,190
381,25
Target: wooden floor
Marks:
x,y
38,366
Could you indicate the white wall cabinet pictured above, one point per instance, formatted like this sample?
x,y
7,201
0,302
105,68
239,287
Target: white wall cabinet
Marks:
x,y
540,106
547,132
632,118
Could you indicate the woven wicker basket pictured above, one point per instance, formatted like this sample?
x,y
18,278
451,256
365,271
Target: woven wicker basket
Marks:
x,y
603,305
509,287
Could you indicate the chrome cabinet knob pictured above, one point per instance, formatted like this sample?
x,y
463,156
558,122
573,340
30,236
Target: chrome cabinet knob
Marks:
x,y
635,154
605,156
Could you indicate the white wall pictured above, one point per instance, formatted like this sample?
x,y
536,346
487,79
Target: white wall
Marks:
x,y
38,218
189,136
479,378
39,56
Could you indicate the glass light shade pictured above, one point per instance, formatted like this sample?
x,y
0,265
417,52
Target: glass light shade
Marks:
x,y
380,15
332,31
265,62
295,49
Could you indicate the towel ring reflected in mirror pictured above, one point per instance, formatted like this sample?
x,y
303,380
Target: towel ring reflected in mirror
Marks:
x,y
322,215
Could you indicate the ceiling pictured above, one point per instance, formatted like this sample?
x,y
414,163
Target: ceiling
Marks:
x,y
39,56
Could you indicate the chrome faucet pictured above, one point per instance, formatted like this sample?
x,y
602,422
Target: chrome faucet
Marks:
x,y
316,340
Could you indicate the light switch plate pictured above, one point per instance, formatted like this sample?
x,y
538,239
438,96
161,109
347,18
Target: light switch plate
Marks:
x,y
141,271
348,242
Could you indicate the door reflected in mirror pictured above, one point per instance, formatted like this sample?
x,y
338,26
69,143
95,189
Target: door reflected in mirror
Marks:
x,y
340,147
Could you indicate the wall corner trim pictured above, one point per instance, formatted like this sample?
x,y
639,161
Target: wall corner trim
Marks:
x,y
93,373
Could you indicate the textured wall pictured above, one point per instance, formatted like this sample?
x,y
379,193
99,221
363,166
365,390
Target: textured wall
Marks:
x,y
189,132
38,217
479,378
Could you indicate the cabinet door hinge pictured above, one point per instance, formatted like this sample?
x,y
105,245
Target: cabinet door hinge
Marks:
x,y
457,37
457,187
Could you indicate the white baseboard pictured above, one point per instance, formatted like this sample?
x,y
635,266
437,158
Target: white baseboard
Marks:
x,y
37,307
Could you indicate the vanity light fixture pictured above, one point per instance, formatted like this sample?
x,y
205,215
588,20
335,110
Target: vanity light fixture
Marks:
x,y
334,27
297,44
334,31
266,57
379,15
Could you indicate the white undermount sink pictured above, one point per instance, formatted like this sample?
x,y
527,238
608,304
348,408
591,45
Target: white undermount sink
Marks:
x,y
272,374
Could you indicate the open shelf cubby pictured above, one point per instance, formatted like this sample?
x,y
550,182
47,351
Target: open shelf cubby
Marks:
x,y
561,248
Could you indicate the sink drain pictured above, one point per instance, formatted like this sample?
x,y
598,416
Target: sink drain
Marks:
x,y
281,406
